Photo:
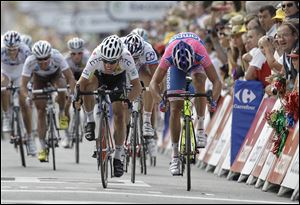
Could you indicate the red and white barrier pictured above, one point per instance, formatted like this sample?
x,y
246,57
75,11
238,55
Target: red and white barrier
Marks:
x,y
280,167
212,126
216,134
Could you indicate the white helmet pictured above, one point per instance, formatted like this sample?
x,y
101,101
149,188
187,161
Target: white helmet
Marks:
x,y
111,48
26,39
76,44
41,49
142,32
135,44
12,39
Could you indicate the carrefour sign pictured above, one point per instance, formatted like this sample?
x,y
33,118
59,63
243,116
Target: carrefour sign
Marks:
x,y
138,10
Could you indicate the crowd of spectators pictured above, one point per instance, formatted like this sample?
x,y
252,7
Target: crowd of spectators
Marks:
x,y
246,40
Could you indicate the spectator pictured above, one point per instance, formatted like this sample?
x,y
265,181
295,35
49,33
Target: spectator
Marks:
x,y
295,60
265,17
291,9
279,17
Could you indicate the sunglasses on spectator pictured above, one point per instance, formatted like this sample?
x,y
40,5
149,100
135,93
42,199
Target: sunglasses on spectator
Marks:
x,y
110,62
287,5
222,34
74,54
43,59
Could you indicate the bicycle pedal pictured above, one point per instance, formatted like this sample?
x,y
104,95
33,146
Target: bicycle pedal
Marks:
x,y
180,174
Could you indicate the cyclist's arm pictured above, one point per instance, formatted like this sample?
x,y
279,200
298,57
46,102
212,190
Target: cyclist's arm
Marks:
x,y
135,90
23,89
154,84
70,79
214,78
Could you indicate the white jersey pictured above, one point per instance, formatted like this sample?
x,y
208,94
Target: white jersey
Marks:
x,y
13,68
126,63
148,57
78,67
57,61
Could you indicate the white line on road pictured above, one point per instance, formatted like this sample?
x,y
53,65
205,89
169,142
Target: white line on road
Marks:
x,y
151,195
60,202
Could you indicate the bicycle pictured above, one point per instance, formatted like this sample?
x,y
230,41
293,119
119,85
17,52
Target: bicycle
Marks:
x,y
16,134
51,138
187,142
104,142
137,145
76,133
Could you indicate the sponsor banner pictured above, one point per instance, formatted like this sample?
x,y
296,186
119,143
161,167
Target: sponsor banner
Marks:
x,y
291,179
219,129
253,134
281,165
255,154
247,98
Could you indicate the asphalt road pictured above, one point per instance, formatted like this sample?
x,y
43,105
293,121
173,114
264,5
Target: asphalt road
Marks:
x,y
79,183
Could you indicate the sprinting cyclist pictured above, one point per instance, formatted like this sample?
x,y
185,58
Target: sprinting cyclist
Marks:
x,y
146,62
13,56
27,40
44,66
185,55
108,65
77,59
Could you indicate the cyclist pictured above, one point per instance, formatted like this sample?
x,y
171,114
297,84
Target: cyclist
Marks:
x,y
142,32
27,40
76,58
185,54
111,61
44,66
146,62
13,56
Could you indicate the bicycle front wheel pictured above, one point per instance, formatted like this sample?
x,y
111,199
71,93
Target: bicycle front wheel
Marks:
x,y
188,153
133,142
18,134
102,146
52,137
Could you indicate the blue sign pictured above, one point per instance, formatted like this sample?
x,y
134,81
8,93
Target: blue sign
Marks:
x,y
247,98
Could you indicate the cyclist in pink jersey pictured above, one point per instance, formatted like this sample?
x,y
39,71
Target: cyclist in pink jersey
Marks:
x,y
185,55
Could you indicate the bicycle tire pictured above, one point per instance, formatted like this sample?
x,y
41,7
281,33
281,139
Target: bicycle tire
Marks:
x,y
133,142
188,152
77,124
101,146
16,120
143,146
51,138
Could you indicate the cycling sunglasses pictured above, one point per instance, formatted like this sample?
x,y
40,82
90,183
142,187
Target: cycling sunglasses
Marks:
x,y
74,54
109,62
43,59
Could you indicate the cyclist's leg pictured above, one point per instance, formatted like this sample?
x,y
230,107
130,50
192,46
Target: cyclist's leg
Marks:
x,y
88,106
199,79
26,111
60,82
175,84
5,103
145,76
39,83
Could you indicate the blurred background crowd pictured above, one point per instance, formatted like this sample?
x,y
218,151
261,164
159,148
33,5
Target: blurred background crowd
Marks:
x,y
250,40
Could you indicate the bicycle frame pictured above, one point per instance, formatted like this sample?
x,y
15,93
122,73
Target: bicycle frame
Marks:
x,y
187,147
51,140
16,134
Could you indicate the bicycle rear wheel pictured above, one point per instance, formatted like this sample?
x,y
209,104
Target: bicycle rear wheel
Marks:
x,y
102,145
133,142
18,135
188,153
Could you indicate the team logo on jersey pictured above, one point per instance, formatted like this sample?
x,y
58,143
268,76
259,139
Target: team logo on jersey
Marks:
x,y
150,56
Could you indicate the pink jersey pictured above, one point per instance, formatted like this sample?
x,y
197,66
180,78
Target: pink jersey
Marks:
x,y
201,56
